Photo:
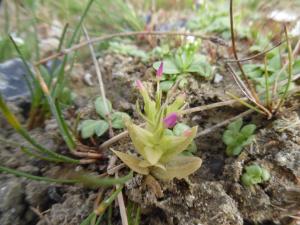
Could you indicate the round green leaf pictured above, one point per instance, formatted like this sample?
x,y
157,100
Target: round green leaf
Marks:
x,y
117,119
100,107
101,127
246,180
89,128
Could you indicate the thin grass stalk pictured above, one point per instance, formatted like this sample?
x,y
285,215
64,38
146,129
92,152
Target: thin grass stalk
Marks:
x,y
100,80
6,16
290,71
33,177
29,72
245,103
60,77
62,37
38,156
57,113
249,85
137,218
13,121
266,75
87,221
275,86
107,202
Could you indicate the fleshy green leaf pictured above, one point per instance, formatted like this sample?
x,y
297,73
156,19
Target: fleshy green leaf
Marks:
x,y
132,162
117,119
174,145
100,107
179,167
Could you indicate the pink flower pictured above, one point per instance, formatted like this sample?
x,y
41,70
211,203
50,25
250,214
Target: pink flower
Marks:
x,y
159,72
140,85
170,120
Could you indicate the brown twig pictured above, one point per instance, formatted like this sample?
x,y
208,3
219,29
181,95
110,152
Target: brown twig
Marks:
x,y
256,55
125,34
122,207
249,85
40,215
213,128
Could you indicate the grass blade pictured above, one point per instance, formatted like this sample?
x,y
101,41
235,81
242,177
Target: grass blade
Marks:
x,y
87,221
266,75
94,181
290,70
13,121
29,72
245,103
60,78
56,112
107,202
38,156
33,177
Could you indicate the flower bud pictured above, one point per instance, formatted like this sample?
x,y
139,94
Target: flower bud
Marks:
x,y
170,120
159,72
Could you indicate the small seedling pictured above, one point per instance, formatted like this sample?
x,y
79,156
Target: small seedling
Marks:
x,y
160,151
89,128
236,137
184,61
255,175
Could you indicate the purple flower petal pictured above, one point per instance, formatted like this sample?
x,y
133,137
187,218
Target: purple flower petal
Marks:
x,y
170,120
159,72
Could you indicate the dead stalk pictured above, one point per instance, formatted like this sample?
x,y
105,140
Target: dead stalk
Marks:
x,y
121,205
256,55
249,85
125,34
100,80
224,123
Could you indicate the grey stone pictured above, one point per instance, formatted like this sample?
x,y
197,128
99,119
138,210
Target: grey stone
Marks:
x,y
11,202
13,85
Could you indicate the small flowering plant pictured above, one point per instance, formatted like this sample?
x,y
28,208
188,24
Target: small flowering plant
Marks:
x,y
159,149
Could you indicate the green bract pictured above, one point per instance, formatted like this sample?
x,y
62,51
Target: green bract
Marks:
x,y
89,128
236,137
159,149
255,175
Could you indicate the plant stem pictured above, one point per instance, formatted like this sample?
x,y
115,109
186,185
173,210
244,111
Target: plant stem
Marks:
x,y
249,85
290,71
100,80
125,34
